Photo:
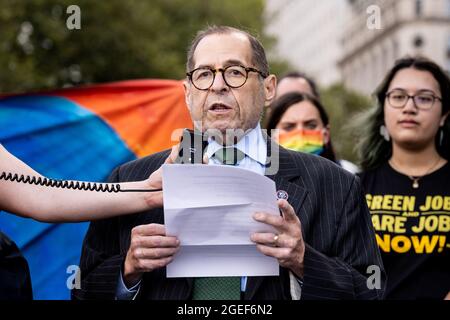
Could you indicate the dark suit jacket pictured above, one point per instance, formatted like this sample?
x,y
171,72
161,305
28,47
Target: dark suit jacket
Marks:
x,y
15,281
337,229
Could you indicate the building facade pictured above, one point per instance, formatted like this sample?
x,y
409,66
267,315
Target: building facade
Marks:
x,y
406,27
309,35
357,41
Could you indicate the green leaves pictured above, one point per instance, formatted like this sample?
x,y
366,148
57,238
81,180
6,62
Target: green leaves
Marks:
x,y
342,105
118,39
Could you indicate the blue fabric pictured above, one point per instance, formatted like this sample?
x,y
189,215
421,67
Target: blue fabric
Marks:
x,y
61,140
124,293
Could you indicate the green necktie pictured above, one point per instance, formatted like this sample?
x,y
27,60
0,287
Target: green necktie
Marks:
x,y
220,288
217,288
229,155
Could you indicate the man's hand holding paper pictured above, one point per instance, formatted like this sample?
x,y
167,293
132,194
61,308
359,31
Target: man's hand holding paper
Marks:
x,y
210,210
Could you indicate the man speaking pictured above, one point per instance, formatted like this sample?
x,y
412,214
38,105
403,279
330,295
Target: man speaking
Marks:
x,y
324,241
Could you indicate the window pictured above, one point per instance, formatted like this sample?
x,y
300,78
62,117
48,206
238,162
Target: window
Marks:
x,y
448,55
418,8
418,41
395,50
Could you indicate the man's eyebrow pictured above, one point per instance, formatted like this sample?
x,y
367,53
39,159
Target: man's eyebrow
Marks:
x,y
231,62
204,66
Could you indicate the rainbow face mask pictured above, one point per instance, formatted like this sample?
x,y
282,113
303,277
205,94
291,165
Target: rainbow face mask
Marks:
x,y
308,141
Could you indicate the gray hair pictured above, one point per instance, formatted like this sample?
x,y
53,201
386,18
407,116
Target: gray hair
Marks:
x,y
258,54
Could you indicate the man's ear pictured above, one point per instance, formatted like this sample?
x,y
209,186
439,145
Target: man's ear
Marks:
x,y
270,86
187,93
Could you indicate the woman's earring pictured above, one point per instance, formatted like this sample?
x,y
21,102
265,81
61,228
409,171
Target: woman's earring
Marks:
x,y
441,136
384,133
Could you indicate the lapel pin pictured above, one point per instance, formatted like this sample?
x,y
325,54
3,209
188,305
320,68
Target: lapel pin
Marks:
x,y
281,194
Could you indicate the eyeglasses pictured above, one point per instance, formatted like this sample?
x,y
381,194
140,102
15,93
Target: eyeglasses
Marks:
x,y
423,101
234,76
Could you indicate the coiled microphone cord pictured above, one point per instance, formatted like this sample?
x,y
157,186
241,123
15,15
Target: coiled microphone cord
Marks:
x,y
74,185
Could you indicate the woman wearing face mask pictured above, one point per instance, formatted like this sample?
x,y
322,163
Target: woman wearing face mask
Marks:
x,y
304,126
404,150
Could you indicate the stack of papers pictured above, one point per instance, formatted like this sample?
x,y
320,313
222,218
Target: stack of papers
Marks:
x,y
210,208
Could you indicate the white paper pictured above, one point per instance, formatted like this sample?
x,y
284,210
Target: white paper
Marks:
x,y
210,208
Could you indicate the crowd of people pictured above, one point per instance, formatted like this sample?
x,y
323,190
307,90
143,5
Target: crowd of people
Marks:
x,y
391,210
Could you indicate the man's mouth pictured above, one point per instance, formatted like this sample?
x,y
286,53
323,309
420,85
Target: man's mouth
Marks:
x,y
219,108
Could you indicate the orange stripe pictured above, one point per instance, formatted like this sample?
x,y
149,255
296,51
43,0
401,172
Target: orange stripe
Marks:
x,y
144,113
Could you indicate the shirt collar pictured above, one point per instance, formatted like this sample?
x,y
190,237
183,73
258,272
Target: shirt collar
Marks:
x,y
252,144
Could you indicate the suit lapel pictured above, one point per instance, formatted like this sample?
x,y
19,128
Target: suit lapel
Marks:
x,y
296,196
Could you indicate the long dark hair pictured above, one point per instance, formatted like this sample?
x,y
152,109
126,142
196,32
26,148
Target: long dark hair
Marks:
x,y
372,149
284,102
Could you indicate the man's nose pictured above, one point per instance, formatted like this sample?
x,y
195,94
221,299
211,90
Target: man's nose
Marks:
x,y
219,84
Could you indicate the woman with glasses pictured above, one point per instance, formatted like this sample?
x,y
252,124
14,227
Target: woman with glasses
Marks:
x,y
404,150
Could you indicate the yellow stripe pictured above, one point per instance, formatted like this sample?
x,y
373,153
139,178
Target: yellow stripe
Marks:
x,y
384,212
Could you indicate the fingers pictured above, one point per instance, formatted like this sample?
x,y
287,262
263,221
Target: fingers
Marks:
x,y
152,236
288,255
274,240
276,221
172,158
173,154
275,252
149,249
286,245
153,229
205,159
155,179
287,250
269,239
287,223
287,210
147,265
154,253
154,242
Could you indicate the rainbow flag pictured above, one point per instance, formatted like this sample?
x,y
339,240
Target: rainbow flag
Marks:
x,y
308,141
82,133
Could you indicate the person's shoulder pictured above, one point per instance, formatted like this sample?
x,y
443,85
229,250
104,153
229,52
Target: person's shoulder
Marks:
x,y
316,174
372,172
148,163
446,168
318,167
349,166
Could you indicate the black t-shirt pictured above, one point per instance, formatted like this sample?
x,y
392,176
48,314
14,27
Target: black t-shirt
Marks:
x,y
412,228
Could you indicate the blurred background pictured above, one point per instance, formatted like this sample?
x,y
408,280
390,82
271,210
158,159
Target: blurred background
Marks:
x,y
48,67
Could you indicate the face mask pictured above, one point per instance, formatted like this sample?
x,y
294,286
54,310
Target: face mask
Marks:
x,y
308,141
